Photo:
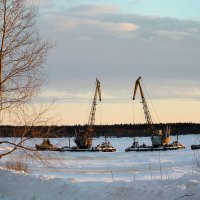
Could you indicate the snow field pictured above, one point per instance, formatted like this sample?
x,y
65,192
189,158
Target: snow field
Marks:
x,y
17,186
111,176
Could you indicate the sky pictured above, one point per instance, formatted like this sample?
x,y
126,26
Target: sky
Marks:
x,y
117,41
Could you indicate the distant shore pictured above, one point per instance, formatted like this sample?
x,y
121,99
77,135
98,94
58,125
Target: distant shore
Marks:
x,y
115,130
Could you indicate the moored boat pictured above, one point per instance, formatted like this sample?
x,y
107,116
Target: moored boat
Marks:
x,y
173,146
105,147
195,146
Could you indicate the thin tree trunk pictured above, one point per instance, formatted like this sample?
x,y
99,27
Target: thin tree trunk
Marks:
x,y
2,47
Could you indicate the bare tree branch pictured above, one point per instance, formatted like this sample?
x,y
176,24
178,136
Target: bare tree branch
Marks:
x,y
22,55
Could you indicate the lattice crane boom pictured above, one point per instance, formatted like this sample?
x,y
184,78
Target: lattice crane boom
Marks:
x,y
158,137
83,139
144,103
97,93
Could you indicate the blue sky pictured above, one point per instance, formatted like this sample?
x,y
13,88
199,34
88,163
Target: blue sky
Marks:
x,y
117,41
182,9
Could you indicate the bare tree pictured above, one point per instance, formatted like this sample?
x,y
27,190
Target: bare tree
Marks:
x,y
22,53
31,121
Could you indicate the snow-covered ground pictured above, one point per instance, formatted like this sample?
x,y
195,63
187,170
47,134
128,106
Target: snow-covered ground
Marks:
x,y
116,175
25,187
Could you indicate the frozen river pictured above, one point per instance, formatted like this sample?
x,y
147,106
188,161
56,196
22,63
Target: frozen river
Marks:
x,y
119,165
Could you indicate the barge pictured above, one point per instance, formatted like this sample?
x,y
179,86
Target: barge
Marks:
x,y
105,147
173,146
195,146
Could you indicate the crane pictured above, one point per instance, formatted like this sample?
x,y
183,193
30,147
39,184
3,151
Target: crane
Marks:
x,y
158,138
91,119
145,107
83,139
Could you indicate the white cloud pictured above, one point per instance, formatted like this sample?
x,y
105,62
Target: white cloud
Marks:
x,y
90,19
177,35
111,45
125,27
94,10
106,27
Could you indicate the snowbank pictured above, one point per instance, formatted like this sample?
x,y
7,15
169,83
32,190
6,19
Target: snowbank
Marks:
x,y
28,187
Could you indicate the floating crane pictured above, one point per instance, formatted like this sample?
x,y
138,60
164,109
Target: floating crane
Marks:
x,y
158,137
83,139
91,119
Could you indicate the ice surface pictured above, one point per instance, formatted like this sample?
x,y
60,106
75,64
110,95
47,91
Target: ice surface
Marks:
x,y
107,175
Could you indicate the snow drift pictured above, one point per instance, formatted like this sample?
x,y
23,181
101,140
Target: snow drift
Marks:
x,y
15,186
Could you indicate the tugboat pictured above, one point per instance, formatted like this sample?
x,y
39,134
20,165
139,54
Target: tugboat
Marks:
x,y
136,147
105,147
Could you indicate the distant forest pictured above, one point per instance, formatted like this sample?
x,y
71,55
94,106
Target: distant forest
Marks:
x,y
116,130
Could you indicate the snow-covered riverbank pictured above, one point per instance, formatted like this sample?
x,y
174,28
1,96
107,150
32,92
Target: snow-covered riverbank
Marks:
x,y
17,186
120,175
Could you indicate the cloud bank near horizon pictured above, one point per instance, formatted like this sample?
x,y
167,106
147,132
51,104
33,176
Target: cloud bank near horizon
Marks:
x,y
102,40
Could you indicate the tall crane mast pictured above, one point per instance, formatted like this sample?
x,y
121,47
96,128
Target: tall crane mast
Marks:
x,y
97,93
157,136
83,139
144,103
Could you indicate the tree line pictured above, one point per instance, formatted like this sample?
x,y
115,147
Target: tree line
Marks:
x,y
115,130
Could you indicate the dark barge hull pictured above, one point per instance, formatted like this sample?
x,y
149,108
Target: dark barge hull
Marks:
x,y
144,149
90,150
49,149
80,150
69,150
194,147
